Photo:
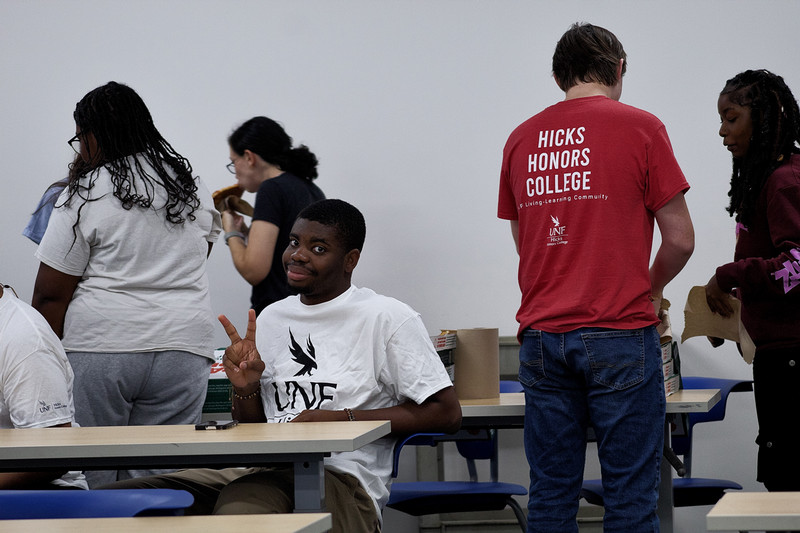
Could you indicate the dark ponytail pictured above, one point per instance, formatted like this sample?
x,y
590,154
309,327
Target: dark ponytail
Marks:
x,y
265,137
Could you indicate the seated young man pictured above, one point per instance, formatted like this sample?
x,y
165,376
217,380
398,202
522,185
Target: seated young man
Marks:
x,y
332,352
35,386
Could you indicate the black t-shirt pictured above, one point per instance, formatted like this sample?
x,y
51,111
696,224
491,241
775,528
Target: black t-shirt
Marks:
x,y
278,201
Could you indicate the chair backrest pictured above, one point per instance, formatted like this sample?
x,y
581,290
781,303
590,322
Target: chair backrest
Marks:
x,y
478,445
483,446
33,504
510,386
682,444
415,439
726,386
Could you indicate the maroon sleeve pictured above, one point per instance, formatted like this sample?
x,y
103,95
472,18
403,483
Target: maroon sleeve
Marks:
x,y
778,275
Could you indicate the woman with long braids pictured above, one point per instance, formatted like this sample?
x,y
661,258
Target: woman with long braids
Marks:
x,y
760,126
282,176
122,278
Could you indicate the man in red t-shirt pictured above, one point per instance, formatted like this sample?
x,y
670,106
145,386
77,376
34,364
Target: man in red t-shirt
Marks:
x,y
582,183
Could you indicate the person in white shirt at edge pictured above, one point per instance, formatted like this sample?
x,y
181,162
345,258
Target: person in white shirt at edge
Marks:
x,y
334,352
35,386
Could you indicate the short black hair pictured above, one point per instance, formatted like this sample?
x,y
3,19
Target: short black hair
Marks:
x,y
588,54
348,221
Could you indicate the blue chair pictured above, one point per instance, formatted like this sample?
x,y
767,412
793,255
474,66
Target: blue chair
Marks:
x,y
510,386
687,490
29,504
419,498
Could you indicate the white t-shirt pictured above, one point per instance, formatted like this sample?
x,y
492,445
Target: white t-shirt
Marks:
x,y
360,350
144,285
35,376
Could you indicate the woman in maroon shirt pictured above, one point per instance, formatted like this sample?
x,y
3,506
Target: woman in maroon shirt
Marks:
x,y
760,126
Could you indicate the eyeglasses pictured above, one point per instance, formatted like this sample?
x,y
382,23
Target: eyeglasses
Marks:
x,y
231,166
72,143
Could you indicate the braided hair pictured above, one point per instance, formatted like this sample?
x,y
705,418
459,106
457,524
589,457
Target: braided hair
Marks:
x,y
121,124
265,137
776,132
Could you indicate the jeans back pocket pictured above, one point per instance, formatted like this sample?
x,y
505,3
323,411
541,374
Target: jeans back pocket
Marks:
x,y
616,357
531,364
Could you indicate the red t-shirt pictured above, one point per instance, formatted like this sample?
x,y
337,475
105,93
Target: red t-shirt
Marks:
x,y
584,178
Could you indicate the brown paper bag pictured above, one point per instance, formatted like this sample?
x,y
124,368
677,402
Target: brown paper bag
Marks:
x,y
700,321
477,363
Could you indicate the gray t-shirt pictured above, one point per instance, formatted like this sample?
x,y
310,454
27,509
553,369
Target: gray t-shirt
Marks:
x,y
144,285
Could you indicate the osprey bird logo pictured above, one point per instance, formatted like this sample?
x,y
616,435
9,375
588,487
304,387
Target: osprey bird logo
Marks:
x,y
302,358
555,220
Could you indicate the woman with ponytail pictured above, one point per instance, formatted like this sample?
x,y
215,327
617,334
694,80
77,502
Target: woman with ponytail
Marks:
x,y
266,163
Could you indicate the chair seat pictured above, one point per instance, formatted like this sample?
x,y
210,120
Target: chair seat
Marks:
x,y
691,491
685,491
592,491
31,504
419,498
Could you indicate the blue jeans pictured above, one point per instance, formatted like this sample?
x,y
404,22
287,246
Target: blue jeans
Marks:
x,y
607,379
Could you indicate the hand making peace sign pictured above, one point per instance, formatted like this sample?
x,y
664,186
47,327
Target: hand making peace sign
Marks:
x,y
242,362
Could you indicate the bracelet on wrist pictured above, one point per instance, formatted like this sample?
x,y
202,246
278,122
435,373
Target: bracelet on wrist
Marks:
x,y
230,234
250,396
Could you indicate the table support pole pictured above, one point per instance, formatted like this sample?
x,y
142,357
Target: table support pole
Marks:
x,y
309,486
665,497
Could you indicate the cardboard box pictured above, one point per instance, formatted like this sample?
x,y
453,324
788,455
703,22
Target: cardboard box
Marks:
x,y
668,369
672,385
671,366
444,343
446,340
218,396
666,351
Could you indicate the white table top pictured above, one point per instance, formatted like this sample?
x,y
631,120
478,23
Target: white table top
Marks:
x,y
274,523
107,443
760,511
513,403
91,448
693,400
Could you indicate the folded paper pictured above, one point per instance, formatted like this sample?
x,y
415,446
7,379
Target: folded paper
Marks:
x,y
699,320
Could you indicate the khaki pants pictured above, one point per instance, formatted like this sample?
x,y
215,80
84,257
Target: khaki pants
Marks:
x,y
264,491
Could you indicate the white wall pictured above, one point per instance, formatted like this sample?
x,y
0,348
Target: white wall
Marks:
x,y
407,104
